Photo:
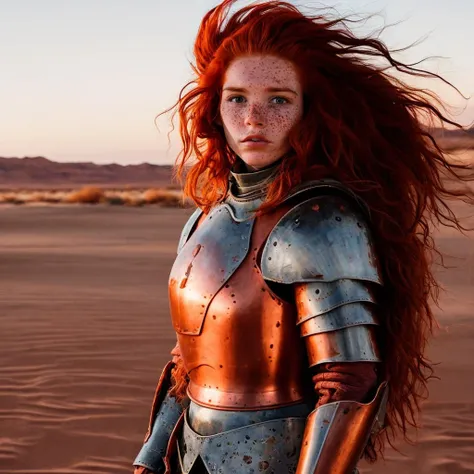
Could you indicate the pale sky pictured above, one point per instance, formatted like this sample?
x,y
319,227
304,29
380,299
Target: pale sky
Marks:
x,y
82,80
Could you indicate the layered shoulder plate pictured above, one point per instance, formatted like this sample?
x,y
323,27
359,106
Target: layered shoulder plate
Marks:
x,y
325,238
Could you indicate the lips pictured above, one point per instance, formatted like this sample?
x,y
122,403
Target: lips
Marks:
x,y
255,139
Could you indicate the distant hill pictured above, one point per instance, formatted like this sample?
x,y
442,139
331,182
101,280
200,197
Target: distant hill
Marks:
x,y
41,173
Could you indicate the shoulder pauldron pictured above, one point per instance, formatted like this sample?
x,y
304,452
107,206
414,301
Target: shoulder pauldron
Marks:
x,y
325,238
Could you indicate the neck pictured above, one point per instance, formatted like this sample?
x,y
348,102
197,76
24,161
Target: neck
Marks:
x,y
250,184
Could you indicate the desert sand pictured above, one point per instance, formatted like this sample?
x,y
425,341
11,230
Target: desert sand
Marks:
x,y
85,331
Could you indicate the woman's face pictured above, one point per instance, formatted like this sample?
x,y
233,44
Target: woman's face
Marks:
x,y
262,99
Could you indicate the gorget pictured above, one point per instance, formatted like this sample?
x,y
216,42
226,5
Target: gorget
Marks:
x,y
247,189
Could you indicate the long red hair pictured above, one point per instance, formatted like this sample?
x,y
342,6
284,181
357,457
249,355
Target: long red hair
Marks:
x,y
361,126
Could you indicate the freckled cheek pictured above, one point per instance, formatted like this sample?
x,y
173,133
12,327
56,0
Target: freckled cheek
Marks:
x,y
283,123
232,118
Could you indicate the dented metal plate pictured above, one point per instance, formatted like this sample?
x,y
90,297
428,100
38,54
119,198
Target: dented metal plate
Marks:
x,y
349,315
337,433
210,421
207,260
317,297
353,344
325,238
270,446
152,452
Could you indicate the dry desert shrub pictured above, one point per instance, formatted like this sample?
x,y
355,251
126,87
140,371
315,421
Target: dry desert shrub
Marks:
x,y
135,201
48,197
86,195
127,197
164,197
10,198
94,195
115,200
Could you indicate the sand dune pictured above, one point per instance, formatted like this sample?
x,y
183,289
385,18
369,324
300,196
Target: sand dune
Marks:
x,y
84,332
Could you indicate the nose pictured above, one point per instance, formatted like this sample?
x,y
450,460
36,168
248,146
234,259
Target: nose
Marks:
x,y
255,115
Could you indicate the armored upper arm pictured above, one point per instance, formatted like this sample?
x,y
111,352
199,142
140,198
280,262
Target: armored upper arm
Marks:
x,y
324,247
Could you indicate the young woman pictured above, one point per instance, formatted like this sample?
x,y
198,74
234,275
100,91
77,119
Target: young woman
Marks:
x,y
301,292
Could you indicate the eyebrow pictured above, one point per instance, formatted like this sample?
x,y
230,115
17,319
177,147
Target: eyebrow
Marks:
x,y
268,89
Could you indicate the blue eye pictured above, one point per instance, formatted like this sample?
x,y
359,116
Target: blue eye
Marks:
x,y
281,100
239,99
231,99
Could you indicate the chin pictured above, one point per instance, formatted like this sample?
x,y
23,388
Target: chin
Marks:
x,y
258,161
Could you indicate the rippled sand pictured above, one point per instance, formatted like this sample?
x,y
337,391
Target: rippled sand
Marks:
x,y
84,332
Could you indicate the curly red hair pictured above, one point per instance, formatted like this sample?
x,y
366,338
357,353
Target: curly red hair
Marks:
x,y
361,126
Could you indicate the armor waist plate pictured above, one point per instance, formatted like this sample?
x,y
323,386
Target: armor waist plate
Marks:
x,y
268,446
240,343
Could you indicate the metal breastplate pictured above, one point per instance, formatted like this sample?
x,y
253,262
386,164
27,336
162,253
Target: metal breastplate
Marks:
x,y
239,342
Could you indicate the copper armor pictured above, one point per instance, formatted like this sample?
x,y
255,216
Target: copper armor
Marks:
x,y
256,303
239,341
